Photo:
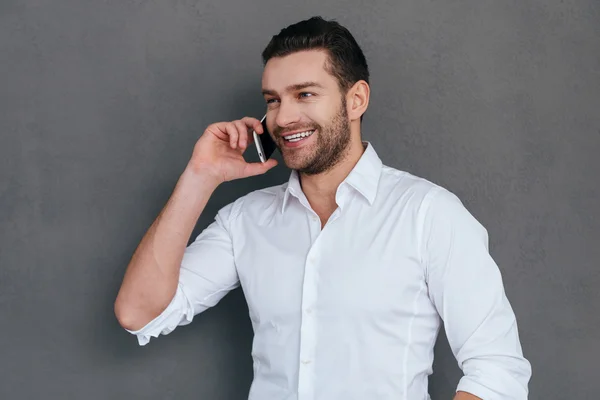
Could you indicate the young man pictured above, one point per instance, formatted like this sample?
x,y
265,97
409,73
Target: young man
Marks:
x,y
364,260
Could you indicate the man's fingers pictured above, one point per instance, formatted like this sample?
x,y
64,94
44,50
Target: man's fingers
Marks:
x,y
258,168
243,134
233,134
239,132
258,128
251,123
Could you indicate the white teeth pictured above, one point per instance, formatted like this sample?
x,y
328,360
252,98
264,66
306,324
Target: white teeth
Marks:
x,y
298,136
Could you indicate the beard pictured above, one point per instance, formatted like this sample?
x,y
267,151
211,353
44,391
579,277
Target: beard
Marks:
x,y
331,146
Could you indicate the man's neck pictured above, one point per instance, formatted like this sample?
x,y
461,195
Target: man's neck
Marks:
x,y
320,189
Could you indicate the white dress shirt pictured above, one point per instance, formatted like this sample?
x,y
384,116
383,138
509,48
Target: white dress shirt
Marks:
x,y
352,311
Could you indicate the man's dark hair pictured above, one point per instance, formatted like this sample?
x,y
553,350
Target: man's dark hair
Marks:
x,y
346,61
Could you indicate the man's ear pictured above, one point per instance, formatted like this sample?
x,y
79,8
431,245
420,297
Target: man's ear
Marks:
x,y
357,99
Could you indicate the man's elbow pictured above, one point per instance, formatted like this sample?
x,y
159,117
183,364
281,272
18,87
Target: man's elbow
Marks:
x,y
128,319
496,377
466,396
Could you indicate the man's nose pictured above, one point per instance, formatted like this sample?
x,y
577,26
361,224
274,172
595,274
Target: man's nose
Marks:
x,y
287,114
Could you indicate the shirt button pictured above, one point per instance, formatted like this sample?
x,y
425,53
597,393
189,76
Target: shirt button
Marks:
x,y
305,362
308,310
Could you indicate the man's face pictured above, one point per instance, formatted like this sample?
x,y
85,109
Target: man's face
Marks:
x,y
302,97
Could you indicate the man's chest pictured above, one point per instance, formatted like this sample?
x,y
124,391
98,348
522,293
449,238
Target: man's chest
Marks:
x,y
344,270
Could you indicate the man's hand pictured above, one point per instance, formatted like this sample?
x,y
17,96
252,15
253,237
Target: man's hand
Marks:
x,y
219,151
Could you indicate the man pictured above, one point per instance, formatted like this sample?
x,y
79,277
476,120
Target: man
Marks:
x,y
348,268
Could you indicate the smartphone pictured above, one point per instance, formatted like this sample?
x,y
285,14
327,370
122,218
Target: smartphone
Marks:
x,y
264,143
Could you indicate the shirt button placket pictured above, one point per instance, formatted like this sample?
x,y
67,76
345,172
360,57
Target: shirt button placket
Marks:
x,y
307,330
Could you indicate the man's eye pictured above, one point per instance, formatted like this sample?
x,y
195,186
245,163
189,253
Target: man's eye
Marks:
x,y
269,101
305,93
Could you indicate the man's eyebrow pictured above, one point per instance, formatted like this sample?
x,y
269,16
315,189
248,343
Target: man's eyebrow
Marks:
x,y
294,87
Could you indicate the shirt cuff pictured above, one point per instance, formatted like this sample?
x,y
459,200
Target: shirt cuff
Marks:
x,y
469,385
177,313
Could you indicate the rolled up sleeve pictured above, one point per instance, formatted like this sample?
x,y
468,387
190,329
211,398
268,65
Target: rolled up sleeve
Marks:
x,y
466,288
207,274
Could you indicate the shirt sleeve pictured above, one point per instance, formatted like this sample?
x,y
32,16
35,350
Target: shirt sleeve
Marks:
x,y
466,288
207,274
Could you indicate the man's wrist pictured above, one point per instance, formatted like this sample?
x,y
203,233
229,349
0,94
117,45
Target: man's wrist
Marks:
x,y
201,176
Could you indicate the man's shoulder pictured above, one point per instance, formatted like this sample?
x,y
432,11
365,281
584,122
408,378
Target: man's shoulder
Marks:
x,y
421,197
264,195
258,200
427,197
401,183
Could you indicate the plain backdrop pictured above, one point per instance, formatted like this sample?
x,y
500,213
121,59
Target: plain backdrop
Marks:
x,y
101,103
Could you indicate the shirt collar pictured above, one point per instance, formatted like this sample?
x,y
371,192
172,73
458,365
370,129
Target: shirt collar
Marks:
x,y
364,177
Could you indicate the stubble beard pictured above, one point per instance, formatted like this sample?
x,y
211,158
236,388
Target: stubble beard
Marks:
x,y
331,147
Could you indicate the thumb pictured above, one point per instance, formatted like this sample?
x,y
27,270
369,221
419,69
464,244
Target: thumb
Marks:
x,y
259,168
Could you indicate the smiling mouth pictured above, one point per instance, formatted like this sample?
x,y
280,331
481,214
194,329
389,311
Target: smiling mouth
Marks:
x,y
296,137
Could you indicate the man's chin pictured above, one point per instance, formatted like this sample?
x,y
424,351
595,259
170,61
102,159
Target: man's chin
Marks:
x,y
295,163
295,158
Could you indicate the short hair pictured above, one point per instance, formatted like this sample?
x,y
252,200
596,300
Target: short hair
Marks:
x,y
346,61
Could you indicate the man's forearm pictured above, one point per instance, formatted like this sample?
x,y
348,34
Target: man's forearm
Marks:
x,y
465,396
151,278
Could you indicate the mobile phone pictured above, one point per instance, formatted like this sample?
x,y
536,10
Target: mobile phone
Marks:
x,y
264,143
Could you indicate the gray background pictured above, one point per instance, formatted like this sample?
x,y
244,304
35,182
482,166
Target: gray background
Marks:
x,y
102,102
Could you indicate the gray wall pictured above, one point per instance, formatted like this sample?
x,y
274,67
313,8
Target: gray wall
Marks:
x,y
101,103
